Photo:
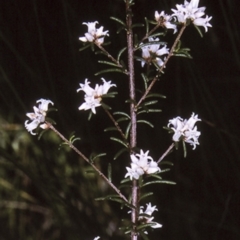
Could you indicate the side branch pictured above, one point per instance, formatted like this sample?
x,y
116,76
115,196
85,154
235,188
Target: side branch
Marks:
x,y
116,125
166,153
88,161
163,66
112,58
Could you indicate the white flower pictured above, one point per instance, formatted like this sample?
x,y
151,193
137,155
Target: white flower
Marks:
x,y
149,211
38,116
96,238
94,34
151,52
185,130
191,11
165,20
92,96
141,164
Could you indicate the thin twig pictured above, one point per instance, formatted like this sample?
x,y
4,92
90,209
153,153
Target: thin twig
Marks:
x,y
166,153
150,32
88,161
111,57
163,66
116,125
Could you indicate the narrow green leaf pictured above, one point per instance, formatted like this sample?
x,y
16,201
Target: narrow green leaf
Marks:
x,y
120,29
158,34
145,80
137,25
158,182
108,63
127,130
122,113
199,30
119,140
126,180
155,95
182,54
121,52
155,176
184,149
122,119
146,122
110,129
119,153
110,70
105,106
84,47
119,21
89,115
147,25
110,172
98,156
150,103
149,110
145,195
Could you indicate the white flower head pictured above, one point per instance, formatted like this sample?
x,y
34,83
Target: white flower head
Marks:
x,y
38,116
141,164
96,238
185,130
149,219
191,11
152,52
93,97
94,34
165,20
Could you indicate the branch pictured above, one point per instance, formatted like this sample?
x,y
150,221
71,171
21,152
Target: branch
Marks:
x,y
166,153
163,66
88,161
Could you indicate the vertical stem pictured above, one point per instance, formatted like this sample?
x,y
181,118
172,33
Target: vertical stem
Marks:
x,y
133,132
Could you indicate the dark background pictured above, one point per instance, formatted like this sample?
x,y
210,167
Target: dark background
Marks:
x,y
39,58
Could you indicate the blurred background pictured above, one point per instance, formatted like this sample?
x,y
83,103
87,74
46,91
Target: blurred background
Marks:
x,y
45,190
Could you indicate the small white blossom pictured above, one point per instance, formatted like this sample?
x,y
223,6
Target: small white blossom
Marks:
x,y
165,20
38,116
94,34
141,164
149,211
152,52
185,130
96,238
191,11
93,97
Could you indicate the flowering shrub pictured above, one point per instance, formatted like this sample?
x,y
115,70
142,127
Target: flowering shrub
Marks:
x,y
155,54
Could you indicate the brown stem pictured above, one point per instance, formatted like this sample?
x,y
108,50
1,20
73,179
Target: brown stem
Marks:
x,y
163,66
166,153
88,161
133,115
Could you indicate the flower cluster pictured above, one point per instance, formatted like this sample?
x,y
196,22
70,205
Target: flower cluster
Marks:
x,y
94,34
191,11
148,219
152,52
165,20
38,116
185,130
141,164
93,97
